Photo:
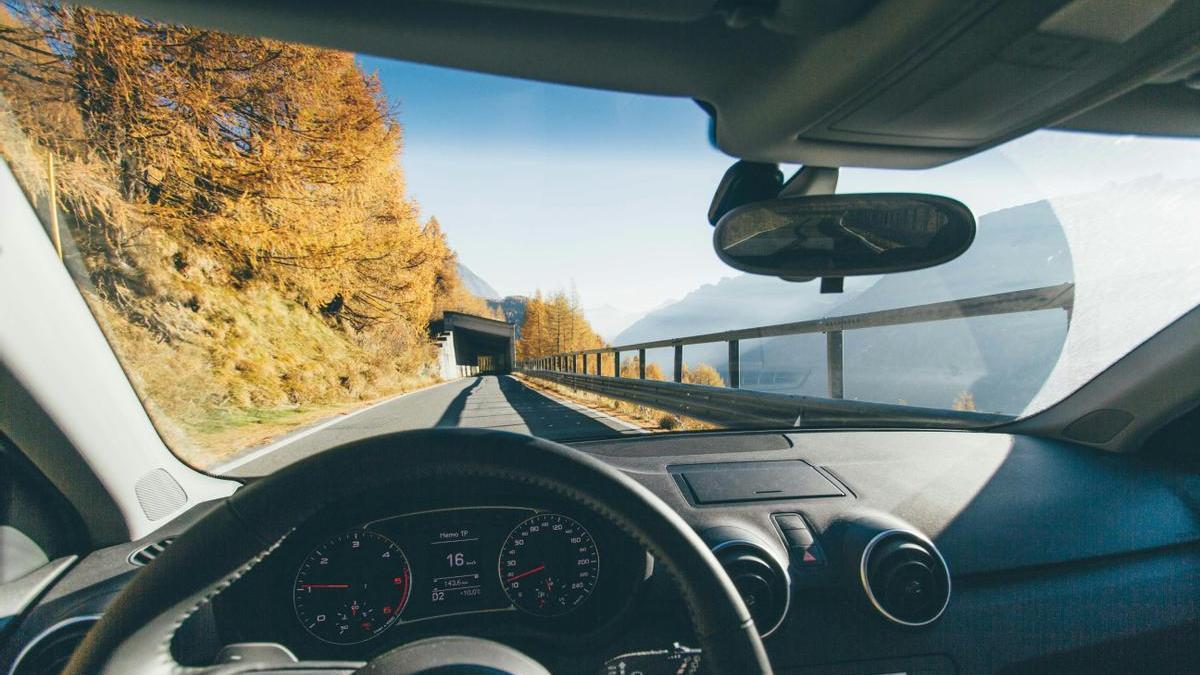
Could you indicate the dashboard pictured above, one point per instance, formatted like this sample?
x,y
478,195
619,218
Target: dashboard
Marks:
x,y
357,582
1028,555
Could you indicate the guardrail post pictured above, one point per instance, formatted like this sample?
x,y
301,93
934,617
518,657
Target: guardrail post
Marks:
x,y
833,361
735,365
599,364
616,364
641,364
679,363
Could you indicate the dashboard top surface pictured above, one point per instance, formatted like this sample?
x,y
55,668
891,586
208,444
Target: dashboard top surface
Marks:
x,y
991,502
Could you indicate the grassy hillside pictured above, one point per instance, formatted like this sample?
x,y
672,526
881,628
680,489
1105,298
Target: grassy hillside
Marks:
x,y
234,213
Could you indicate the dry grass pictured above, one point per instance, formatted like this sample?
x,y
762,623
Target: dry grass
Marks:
x,y
221,369
647,418
228,369
230,433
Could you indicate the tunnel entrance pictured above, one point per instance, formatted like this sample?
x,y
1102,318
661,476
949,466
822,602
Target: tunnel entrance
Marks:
x,y
473,345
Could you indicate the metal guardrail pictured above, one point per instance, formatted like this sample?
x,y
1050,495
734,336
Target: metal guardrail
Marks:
x,y
734,406
746,408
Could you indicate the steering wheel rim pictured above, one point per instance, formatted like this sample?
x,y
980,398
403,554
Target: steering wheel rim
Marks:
x,y
136,631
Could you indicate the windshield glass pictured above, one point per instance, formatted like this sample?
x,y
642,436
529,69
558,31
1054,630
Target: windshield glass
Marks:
x,y
289,247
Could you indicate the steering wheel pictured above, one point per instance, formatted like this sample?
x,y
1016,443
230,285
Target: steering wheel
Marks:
x,y
135,633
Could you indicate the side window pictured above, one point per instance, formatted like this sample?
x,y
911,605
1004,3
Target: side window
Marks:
x,y
37,524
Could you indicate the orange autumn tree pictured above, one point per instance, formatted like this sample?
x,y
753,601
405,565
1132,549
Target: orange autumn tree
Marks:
x,y
553,325
234,205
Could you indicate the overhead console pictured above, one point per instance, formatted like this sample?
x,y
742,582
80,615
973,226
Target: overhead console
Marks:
x,y
909,88
1002,70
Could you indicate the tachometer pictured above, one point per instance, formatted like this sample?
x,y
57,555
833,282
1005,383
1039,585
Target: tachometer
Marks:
x,y
549,565
352,587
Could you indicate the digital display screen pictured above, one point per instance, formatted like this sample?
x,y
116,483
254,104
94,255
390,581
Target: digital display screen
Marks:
x,y
456,580
453,555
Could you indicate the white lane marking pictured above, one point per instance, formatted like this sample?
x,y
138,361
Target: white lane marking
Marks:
x,y
222,469
582,408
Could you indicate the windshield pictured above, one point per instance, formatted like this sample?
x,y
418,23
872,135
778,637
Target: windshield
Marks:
x,y
290,247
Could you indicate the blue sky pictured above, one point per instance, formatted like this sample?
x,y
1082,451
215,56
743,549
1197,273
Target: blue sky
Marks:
x,y
541,186
545,186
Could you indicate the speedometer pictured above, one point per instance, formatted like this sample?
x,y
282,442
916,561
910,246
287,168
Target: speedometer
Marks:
x,y
549,565
352,587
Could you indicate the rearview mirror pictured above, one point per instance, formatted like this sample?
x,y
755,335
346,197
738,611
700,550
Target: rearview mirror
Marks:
x,y
803,238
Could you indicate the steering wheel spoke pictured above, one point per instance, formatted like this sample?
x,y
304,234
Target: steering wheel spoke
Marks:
x,y
265,657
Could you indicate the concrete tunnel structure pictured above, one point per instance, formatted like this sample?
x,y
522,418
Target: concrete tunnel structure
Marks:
x,y
474,345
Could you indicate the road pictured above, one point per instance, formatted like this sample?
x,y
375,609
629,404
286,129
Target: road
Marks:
x,y
489,401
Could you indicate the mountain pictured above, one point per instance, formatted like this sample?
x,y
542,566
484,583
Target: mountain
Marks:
x,y
609,321
741,301
999,362
513,309
475,284
736,302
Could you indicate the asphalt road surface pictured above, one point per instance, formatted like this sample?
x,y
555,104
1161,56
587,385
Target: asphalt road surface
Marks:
x,y
489,401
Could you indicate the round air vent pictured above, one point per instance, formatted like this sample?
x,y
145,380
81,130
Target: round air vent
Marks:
x,y
905,578
52,648
761,581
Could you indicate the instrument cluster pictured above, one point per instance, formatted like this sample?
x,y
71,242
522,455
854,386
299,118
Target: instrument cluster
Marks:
x,y
348,586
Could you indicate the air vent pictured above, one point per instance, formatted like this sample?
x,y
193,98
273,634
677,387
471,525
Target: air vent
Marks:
x,y
761,581
50,651
905,578
146,554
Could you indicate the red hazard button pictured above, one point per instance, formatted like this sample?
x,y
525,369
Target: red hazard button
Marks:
x,y
809,555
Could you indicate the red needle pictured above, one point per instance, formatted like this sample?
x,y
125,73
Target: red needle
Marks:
x,y
324,585
522,575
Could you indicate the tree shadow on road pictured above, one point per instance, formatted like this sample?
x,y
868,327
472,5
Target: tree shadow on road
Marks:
x,y
452,416
550,419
